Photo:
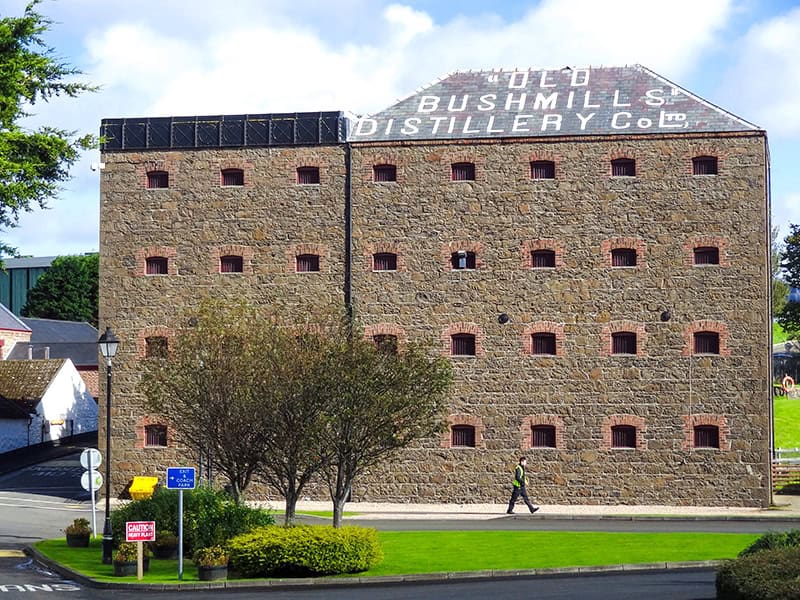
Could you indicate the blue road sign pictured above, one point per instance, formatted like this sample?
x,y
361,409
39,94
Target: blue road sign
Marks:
x,y
180,478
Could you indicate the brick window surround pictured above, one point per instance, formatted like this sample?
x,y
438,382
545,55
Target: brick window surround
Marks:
x,y
164,165
525,428
145,421
142,254
372,163
463,327
235,165
607,245
370,331
448,158
151,332
543,327
157,180
699,326
476,422
320,250
528,247
308,175
705,165
370,250
719,421
543,169
247,253
462,171
623,167
607,342
232,178
693,163
385,173
706,241
631,420
446,254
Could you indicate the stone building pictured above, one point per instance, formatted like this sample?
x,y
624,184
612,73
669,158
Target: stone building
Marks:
x,y
590,246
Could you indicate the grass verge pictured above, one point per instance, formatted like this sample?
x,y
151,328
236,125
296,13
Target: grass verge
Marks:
x,y
409,552
787,422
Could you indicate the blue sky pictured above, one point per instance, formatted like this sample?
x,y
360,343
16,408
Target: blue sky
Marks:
x,y
197,57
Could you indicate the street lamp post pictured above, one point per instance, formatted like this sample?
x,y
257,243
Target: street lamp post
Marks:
x,y
108,343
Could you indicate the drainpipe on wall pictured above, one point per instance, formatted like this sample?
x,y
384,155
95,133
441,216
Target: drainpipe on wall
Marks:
x,y
348,235
768,176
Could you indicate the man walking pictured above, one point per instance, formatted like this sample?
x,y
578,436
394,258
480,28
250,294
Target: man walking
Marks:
x,y
519,484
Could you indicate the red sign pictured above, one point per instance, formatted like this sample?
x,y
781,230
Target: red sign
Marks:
x,y
140,531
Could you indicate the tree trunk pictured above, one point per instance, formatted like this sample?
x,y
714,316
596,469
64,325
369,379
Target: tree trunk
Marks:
x,y
340,494
338,510
291,507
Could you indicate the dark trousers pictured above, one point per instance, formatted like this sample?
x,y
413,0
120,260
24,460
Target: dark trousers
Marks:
x,y
516,493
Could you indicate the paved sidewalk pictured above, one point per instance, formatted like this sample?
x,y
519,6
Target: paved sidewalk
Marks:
x,y
784,507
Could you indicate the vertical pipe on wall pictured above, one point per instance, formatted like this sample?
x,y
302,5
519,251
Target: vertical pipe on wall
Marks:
x,y
348,234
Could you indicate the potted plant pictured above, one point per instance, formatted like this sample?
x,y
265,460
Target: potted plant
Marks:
x,y
212,563
166,545
125,559
78,533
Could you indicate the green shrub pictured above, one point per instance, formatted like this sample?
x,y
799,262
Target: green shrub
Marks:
x,y
772,540
304,551
762,575
210,517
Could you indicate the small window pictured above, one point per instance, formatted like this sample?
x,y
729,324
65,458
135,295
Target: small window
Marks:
x,y
706,342
543,259
623,257
543,436
308,175
156,265
384,261
462,344
543,343
156,346
461,260
155,435
706,255
623,167
384,173
704,165
307,263
232,177
463,172
623,342
623,436
231,264
385,343
543,169
157,180
463,436
706,436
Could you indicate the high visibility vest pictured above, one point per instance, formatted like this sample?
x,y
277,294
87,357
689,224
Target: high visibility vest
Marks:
x,y
519,475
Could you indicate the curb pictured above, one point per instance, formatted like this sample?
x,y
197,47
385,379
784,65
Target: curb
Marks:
x,y
331,582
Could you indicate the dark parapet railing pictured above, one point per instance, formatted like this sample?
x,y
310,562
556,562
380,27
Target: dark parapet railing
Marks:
x,y
224,131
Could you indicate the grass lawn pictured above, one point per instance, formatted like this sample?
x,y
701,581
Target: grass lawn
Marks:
x,y
787,422
778,334
408,552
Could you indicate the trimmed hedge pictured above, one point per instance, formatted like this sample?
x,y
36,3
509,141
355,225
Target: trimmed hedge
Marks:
x,y
304,551
762,575
772,540
210,517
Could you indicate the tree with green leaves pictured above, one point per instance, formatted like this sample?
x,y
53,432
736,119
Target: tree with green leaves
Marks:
x,y
67,291
33,163
779,288
789,317
379,400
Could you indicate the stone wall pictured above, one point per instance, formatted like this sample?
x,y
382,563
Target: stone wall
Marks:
x,y
663,212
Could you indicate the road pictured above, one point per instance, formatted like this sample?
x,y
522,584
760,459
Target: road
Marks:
x,y
39,501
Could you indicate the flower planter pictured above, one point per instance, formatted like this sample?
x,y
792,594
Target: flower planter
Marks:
x,y
124,569
77,540
212,573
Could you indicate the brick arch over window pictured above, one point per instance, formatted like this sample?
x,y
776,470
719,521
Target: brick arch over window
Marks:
x,y
245,252
607,245
142,254
384,158
528,246
447,250
448,158
528,422
606,341
630,420
147,332
168,164
370,331
147,420
543,327
296,250
385,247
461,419
718,421
463,327
245,167
717,327
706,241
700,150
304,157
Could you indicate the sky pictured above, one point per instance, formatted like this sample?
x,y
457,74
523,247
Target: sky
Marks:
x,y
206,57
